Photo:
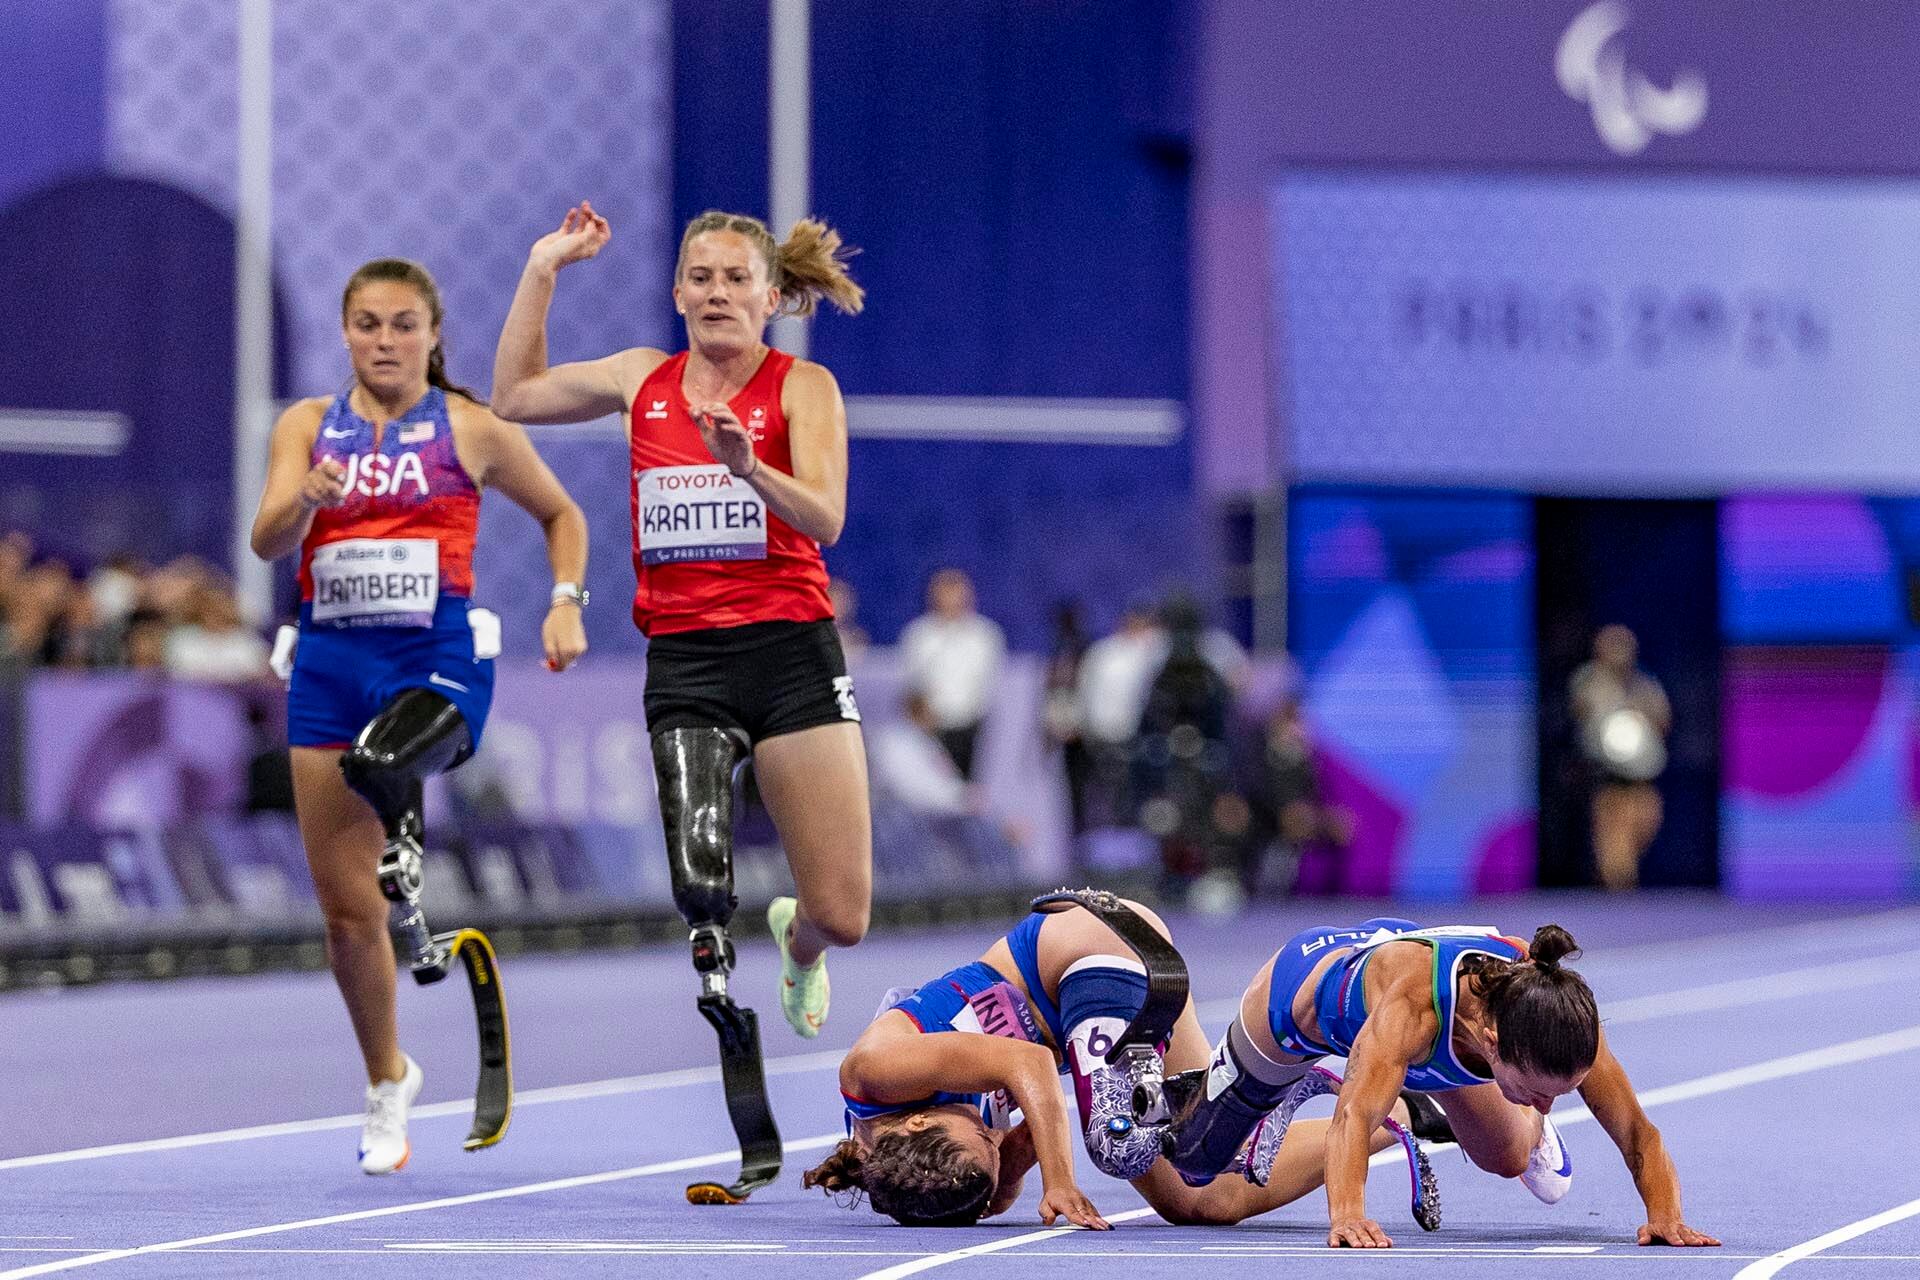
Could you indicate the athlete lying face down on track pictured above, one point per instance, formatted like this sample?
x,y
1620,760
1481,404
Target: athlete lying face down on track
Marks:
x,y
943,1127
1493,1024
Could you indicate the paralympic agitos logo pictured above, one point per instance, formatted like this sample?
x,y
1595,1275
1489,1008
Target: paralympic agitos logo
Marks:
x,y
1628,109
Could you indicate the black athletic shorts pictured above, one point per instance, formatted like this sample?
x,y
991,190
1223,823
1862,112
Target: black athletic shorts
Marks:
x,y
765,679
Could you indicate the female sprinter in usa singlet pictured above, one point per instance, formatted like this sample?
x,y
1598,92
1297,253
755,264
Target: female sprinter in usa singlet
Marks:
x,y
379,489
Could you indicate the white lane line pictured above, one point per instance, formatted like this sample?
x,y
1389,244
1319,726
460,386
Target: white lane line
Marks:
x,y
932,1260
1766,1267
793,1064
418,1206
1793,1064
1719,1082
1754,990
1760,988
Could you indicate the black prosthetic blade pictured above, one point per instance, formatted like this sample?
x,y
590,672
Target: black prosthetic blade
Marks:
x,y
744,1078
493,1091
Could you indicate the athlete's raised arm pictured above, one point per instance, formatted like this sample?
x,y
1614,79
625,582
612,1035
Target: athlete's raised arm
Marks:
x,y
1609,1095
296,486
525,389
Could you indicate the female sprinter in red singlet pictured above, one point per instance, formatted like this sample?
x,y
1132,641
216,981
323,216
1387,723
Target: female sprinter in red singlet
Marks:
x,y
739,476
379,489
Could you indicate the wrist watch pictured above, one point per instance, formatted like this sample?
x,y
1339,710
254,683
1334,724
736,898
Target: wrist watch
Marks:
x,y
570,592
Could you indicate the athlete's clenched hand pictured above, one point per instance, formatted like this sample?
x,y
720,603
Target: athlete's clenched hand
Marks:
x,y
563,635
325,485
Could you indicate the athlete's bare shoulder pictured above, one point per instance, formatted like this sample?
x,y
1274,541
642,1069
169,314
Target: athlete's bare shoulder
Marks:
x,y
812,376
303,415
1399,964
638,363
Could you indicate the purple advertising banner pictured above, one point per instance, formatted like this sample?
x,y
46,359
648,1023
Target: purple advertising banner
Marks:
x,y
133,751
136,785
1598,335
1606,87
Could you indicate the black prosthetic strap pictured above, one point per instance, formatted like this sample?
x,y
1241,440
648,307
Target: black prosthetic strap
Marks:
x,y
416,735
1166,969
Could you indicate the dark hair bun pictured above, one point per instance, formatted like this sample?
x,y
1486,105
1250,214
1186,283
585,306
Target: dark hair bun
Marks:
x,y
1551,944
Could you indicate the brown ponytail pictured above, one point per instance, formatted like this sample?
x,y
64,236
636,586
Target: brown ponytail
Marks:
x,y
811,265
838,1172
407,272
1546,1016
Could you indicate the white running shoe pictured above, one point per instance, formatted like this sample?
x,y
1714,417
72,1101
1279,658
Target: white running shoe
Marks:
x,y
804,993
383,1139
1549,1172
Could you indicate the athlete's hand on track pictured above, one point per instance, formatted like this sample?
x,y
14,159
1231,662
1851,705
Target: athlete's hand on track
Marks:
x,y
1675,1232
1358,1233
325,485
563,635
726,439
1072,1204
582,234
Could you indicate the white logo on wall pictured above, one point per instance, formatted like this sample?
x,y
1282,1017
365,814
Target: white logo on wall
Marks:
x,y
1628,109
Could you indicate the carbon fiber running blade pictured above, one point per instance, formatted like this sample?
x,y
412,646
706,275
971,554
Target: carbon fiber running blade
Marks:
x,y
493,1091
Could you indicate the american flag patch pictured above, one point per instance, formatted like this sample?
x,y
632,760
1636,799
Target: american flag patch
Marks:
x,y
415,432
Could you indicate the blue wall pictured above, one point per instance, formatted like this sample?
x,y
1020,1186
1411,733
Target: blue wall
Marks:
x,y
1015,176
53,95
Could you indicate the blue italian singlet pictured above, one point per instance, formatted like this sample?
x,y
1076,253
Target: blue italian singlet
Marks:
x,y
1339,999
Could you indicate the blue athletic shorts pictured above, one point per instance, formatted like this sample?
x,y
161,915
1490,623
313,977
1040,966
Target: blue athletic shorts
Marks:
x,y
344,676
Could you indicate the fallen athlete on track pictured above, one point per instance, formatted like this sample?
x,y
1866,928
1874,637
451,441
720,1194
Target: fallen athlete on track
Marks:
x,y
943,1128
1493,1024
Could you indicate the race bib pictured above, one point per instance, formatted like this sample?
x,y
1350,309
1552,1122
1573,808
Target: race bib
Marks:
x,y
698,513
376,582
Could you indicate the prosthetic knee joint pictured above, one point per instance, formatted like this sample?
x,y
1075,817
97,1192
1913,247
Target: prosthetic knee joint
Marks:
x,y
416,735
695,769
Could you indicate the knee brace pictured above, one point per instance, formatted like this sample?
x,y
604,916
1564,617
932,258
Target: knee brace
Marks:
x,y
416,735
694,768
1242,1086
1099,997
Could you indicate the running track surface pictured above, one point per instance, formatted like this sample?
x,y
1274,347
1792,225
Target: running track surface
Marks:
x,y
1778,1049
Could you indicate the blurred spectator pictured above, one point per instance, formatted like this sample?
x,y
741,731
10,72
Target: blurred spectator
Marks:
x,y
846,608
912,771
269,764
1182,759
1062,709
115,590
1623,720
78,641
145,645
34,611
1115,674
912,765
1287,812
952,655
213,642
16,553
